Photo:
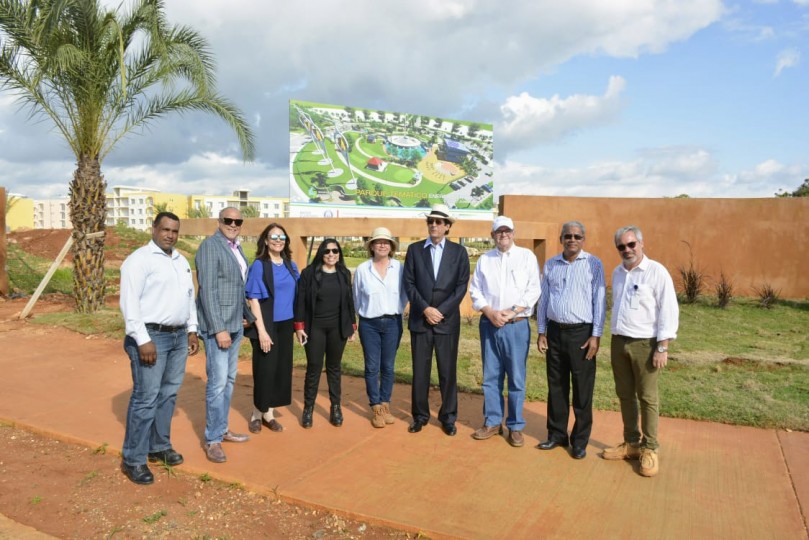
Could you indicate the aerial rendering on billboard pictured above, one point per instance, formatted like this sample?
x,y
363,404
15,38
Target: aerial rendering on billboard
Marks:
x,y
348,161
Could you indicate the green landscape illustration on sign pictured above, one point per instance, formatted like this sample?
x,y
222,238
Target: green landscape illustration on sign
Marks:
x,y
354,157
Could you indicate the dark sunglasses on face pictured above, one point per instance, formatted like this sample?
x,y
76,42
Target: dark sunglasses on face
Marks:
x,y
333,251
573,237
278,237
434,221
630,245
232,221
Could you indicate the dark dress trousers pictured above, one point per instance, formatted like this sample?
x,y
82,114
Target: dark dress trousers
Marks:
x,y
444,293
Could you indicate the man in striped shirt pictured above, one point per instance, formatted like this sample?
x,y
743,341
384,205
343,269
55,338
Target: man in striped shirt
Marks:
x,y
570,321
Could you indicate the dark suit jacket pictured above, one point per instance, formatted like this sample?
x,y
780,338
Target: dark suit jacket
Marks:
x,y
444,294
306,297
220,302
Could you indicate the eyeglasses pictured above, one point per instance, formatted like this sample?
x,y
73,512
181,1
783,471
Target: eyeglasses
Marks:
x,y
434,221
504,232
573,237
232,221
277,237
333,251
623,247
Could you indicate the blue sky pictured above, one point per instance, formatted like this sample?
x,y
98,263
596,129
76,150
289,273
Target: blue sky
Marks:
x,y
639,98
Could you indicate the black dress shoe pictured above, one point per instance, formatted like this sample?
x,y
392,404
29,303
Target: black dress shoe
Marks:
x,y
169,457
306,417
336,416
140,474
449,429
416,426
579,452
550,444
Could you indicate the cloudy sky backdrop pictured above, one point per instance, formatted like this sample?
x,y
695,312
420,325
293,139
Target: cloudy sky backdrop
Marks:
x,y
630,98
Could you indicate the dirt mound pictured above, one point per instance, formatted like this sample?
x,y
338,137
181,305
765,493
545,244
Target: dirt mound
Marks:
x,y
47,243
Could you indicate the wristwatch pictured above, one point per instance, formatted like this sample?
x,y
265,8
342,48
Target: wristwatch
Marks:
x,y
662,349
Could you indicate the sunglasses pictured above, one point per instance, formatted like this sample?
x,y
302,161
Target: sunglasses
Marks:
x,y
232,221
277,237
623,247
333,251
573,237
434,221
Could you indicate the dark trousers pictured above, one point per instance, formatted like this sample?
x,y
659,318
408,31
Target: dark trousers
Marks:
x,y
272,371
323,341
446,356
566,361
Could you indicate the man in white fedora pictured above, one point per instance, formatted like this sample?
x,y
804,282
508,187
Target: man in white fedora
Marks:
x,y
436,276
379,300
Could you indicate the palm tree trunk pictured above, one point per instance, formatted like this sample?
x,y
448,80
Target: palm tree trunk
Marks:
x,y
88,211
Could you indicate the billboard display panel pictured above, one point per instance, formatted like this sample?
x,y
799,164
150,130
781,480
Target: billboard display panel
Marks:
x,y
355,162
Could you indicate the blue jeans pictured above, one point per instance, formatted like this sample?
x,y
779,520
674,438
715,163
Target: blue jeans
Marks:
x,y
154,394
505,352
220,366
380,340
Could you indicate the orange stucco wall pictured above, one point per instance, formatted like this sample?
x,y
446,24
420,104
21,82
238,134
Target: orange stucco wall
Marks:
x,y
753,241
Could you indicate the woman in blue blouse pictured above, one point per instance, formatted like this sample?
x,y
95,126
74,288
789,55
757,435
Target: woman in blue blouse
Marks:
x,y
270,289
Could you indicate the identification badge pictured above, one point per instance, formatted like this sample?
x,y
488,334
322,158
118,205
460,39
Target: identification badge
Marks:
x,y
634,298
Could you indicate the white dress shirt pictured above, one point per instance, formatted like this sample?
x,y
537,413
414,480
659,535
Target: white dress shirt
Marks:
x,y
374,295
156,288
644,303
502,280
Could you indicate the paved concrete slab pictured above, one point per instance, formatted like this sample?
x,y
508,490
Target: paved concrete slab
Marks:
x,y
716,481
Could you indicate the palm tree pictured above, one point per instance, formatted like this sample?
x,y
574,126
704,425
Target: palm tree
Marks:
x,y
99,74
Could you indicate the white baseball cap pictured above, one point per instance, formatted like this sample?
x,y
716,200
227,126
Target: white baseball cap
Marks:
x,y
502,221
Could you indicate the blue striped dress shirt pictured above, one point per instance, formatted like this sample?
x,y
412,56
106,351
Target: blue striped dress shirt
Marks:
x,y
573,293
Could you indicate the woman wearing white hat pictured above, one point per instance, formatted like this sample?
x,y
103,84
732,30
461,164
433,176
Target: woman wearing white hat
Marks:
x,y
379,299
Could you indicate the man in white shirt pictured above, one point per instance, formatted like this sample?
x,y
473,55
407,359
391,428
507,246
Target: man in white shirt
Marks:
x,y
157,303
505,288
645,317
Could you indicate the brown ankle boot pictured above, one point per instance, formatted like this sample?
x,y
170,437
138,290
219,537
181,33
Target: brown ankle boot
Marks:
x,y
377,420
386,413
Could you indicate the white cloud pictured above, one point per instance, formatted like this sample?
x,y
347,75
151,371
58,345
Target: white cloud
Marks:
x,y
528,121
655,173
786,59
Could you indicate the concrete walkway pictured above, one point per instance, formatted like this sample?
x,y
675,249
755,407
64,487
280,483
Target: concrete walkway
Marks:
x,y
716,481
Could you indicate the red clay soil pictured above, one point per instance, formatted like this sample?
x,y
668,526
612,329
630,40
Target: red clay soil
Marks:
x,y
71,491
47,243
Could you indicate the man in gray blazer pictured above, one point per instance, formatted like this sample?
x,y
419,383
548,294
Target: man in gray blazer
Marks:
x,y
221,272
436,276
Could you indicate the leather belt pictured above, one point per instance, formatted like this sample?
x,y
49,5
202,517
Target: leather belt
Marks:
x,y
164,327
565,326
394,316
517,319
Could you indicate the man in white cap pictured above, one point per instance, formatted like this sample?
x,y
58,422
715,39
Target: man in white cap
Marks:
x,y
504,288
436,275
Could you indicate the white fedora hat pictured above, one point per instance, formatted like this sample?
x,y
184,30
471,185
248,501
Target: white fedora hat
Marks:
x,y
440,211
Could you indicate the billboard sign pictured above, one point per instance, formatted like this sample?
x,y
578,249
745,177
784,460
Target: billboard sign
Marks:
x,y
354,162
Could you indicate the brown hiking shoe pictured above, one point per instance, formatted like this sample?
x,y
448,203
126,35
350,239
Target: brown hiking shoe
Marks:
x,y
487,432
389,419
649,464
515,438
624,450
377,420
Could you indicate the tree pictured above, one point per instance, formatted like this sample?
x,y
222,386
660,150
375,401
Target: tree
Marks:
x,y
200,212
99,74
801,191
249,211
